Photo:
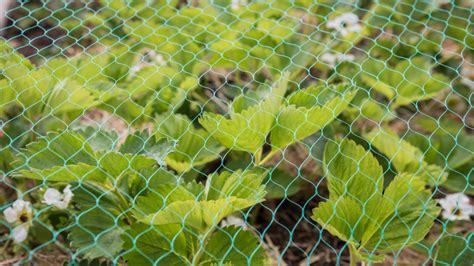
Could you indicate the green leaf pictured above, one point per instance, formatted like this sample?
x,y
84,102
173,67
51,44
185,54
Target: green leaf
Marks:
x,y
143,143
280,185
57,149
67,96
409,213
245,184
194,147
369,218
148,245
250,121
88,196
67,157
8,95
96,233
66,173
96,227
352,171
405,157
461,180
408,81
341,218
455,250
99,139
233,246
308,111
223,195
463,152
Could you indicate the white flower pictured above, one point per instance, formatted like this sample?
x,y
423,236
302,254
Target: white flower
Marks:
x,y
345,24
19,214
53,197
233,220
456,206
20,232
332,59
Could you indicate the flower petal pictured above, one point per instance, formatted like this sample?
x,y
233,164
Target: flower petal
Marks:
x,y
10,215
20,233
52,196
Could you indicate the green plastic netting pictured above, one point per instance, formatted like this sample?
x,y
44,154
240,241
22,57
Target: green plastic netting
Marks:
x,y
234,132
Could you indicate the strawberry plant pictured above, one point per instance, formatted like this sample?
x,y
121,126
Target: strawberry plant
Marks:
x,y
236,132
372,218
122,194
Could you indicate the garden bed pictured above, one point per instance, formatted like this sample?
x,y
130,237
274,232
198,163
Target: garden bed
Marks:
x,y
236,133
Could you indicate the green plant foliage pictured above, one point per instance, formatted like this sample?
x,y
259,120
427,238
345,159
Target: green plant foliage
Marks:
x,y
68,157
279,184
309,110
370,218
223,194
169,245
405,157
183,221
406,82
455,250
450,147
251,118
112,180
200,132
194,147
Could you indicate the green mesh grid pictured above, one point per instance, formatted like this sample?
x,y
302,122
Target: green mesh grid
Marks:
x,y
234,132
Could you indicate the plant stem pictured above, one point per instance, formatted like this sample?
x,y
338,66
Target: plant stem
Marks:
x,y
267,157
258,156
353,255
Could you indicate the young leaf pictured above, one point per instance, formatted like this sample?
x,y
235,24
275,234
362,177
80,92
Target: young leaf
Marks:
x,y
194,147
352,171
408,81
245,184
66,173
68,95
371,219
8,95
233,246
250,121
99,139
308,111
224,194
151,146
57,149
405,157
410,215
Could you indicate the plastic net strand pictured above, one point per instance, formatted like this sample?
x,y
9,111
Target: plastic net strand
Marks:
x,y
236,132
